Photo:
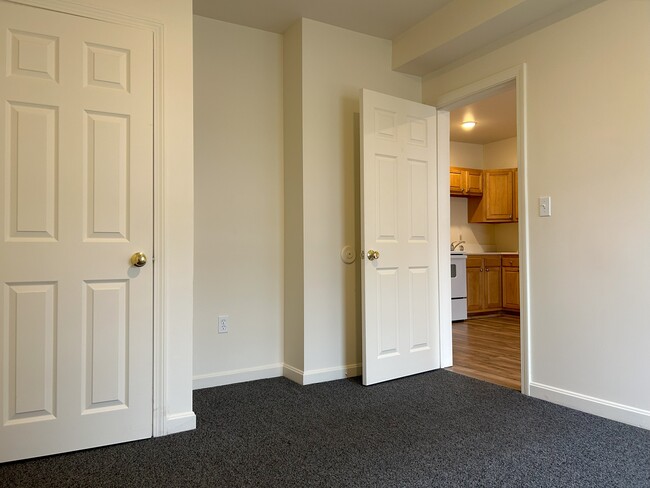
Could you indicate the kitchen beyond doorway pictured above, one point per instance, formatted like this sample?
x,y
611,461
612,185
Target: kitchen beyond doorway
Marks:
x,y
495,84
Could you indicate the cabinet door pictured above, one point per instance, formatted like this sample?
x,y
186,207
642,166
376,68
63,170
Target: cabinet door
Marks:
x,y
474,289
515,196
511,288
498,195
456,183
474,182
492,280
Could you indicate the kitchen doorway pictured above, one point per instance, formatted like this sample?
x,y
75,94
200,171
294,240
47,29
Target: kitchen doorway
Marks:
x,y
488,228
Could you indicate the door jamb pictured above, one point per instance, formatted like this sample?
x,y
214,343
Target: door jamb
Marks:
x,y
159,417
458,98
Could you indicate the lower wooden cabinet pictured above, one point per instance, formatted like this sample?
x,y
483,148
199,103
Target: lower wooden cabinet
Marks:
x,y
510,281
483,283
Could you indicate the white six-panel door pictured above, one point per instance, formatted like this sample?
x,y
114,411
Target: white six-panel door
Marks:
x,y
399,222
76,149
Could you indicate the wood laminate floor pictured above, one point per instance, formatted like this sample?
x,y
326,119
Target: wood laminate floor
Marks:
x,y
488,349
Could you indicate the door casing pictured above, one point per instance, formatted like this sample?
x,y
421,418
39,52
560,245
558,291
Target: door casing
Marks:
x,y
461,97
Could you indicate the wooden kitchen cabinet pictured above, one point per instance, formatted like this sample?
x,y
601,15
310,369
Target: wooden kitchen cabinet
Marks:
x,y
515,194
499,200
465,182
474,284
510,280
483,283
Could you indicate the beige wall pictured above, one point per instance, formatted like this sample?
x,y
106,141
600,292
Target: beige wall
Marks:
x,y
587,106
249,205
336,64
466,155
500,154
238,202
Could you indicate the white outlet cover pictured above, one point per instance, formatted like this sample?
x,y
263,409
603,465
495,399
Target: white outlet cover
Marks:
x,y
222,326
347,255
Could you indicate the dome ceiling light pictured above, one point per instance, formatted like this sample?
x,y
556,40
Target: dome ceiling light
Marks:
x,y
468,125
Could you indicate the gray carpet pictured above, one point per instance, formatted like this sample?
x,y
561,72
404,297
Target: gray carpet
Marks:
x,y
435,429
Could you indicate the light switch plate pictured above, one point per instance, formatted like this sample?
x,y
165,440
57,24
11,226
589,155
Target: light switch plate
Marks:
x,y
544,206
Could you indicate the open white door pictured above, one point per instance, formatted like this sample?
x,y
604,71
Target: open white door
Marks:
x,y
399,173
76,150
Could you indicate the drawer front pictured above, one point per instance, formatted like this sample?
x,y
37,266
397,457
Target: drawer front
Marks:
x,y
492,261
474,262
510,261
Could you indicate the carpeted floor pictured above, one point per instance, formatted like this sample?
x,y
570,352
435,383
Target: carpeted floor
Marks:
x,y
437,429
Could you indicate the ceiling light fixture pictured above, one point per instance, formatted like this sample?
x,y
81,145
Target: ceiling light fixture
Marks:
x,y
468,125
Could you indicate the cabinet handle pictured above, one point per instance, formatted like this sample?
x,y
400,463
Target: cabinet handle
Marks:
x,y
481,270
487,270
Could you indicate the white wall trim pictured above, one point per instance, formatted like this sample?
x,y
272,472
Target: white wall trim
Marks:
x,y
469,94
275,370
478,90
293,374
237,376
444,238
331,374
595,406
180,422
160,421
321,375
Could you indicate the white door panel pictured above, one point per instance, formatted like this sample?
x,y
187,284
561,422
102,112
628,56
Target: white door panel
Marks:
x,y
399,200
76,146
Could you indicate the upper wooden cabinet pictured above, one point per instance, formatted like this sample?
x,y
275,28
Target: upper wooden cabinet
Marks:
x,y
465,182
499,201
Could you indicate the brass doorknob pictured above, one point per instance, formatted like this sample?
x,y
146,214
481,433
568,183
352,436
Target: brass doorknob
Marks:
x,y
139,259
372,255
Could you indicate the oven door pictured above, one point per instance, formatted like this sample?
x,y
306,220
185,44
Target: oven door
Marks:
x,y
458,276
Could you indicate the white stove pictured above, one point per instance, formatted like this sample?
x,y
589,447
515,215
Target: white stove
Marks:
x,y
458,286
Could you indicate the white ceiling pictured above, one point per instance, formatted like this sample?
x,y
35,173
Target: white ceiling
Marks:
x,y
495,117
380,18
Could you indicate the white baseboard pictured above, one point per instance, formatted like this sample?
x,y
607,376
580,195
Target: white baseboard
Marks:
x,y
237,376
321,375
273,371
180,422
293,374
596,406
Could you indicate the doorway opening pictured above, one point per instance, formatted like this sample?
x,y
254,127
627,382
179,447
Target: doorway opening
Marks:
x,y
487,230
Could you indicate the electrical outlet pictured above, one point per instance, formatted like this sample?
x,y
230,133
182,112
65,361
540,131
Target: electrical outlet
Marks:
x,y
223,324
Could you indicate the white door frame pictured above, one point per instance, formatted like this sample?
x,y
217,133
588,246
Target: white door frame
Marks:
x,y
458,98
158,259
